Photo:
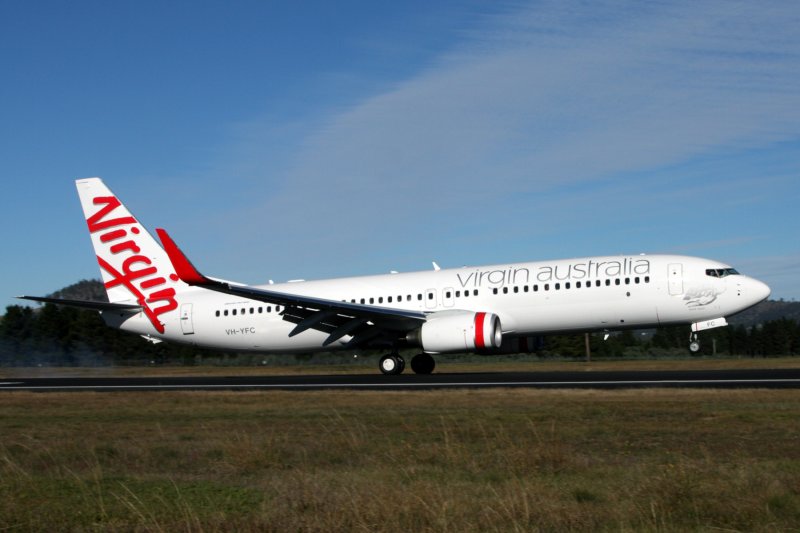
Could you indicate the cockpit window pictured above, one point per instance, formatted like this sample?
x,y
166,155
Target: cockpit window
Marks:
x,y
721,272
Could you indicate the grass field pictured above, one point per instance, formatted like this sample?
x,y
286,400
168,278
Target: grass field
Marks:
x,y
456,460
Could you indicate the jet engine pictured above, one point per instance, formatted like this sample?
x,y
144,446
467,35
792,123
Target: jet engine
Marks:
x,y
458,331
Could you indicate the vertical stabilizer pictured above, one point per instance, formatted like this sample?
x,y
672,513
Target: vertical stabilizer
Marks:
x,y
134,266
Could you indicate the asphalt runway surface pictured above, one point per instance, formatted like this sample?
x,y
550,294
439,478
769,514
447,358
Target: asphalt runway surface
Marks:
x,y
723,379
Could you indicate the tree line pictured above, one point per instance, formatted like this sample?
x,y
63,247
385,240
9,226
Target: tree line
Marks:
x,y
57,335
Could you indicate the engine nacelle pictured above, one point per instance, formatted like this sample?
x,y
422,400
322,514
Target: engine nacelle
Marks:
x,y
458,331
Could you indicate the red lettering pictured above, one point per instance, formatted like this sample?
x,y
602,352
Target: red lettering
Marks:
x,y
126,281
167,295
96,222
149,283
127,245
113,235
134,267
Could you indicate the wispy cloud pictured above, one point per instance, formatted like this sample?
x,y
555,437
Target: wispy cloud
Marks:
x,y
545,97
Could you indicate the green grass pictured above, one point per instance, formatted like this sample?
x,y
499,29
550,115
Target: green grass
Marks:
x,y
483,460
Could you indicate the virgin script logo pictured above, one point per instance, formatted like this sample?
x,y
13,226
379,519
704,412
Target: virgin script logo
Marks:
x,y
137,273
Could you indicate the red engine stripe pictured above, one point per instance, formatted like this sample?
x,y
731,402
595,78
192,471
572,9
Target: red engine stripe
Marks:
x,y
480,343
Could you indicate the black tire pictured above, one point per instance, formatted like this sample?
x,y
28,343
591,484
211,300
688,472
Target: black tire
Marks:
x,y
423,363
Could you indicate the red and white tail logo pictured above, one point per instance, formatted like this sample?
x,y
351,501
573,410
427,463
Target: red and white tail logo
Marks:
x,y
133,265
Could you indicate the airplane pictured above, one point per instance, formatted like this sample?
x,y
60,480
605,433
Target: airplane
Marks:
x,y
155,291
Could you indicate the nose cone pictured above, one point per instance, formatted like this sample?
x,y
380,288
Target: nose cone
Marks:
x,y
758,290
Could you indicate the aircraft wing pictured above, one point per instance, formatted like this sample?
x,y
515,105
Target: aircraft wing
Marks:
x,y
365,323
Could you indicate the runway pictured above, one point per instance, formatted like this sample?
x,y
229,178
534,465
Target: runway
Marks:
x,y
727,379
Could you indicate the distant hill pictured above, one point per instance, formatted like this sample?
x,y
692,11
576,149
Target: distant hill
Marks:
x,y
766,311
86,289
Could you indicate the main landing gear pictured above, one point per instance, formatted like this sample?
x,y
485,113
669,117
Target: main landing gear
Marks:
x,y
393,364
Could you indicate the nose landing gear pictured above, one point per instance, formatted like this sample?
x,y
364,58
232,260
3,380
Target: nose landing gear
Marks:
x,y
694,343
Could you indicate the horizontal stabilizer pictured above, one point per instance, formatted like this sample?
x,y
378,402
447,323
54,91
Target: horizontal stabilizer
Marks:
x,y
85,304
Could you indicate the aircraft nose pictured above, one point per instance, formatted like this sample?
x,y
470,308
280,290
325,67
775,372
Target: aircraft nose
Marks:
x,y
759,290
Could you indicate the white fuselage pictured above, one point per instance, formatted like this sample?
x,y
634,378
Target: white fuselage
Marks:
x,y
585,294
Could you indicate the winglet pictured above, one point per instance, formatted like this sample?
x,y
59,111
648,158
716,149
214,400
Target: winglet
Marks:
x,y
183,267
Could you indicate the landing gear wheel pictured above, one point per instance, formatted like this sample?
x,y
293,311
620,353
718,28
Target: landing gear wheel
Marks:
x,y
694,343
422,363
391,365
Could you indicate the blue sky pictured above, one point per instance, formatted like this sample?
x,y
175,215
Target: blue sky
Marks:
x,y
324,139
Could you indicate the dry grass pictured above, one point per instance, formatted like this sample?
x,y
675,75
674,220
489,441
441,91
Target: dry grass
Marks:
x,y
484,460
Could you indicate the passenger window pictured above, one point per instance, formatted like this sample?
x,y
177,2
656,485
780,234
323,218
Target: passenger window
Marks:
x,y
252,311
647,279
372,300
627,281
577,284
494,291
535,288
419,297
636,279
608,282
558,286
389,299
505,290
466,294
380,300
616,281
269,309
566,285
216,314
475,292
225,312
547,286
234,312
